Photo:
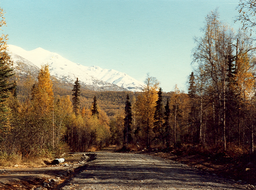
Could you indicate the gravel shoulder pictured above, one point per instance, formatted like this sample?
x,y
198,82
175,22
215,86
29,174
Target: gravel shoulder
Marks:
x,y
43,177
139,171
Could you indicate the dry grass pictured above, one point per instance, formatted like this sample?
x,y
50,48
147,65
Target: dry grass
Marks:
x,y
92,149
35,162
19,161
8,160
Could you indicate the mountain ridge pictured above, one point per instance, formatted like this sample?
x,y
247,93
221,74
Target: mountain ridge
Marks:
x,y
94,77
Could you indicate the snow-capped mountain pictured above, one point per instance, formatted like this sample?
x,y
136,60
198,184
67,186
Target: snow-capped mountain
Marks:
x,y
67,71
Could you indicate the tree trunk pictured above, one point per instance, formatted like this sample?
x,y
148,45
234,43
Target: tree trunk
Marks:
x,y
175,125
252,139
53,130
239,127
148,140
201,120
224,112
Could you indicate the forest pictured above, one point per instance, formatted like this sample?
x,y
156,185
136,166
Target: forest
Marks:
x,y
39,118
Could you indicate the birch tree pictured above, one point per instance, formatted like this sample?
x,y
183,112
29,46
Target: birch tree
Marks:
x,y
211,55
224,58
145,110
43,106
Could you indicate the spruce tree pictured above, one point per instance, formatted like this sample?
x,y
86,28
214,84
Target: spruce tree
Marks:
x,y
232,98
159,117
5,87
127,122
14,90
192,86
76,97
167,124
95,107
193,116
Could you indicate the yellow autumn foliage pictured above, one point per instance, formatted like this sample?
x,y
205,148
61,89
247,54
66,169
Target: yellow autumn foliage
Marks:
x,y
43,96
145,109
3,38
244,77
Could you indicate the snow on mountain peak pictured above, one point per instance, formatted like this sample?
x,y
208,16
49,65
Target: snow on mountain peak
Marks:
x,y
68,71
36,56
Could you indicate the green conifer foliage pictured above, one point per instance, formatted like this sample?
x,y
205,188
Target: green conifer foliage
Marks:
x,y
95,107
193,114
159,117
76,97
14,91
5,87
127,121
167,125
192,86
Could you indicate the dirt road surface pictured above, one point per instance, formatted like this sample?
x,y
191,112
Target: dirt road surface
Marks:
x,y
139,171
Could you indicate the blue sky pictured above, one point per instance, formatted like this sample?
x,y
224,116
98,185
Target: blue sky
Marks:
x,y
136,37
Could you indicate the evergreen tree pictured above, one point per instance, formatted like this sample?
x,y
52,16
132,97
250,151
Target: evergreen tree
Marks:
x,y
5,87
14,90
5,73
232,106
76,97
167,124
192,86
95,107
193,116
159,117
127,121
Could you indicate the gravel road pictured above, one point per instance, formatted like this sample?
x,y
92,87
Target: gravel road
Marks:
x,y
139,171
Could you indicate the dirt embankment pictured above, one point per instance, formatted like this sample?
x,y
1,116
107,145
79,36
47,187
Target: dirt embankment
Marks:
x,y
240,168
48,176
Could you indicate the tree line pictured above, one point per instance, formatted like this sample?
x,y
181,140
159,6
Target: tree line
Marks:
x,y
43,124
217,112
150,121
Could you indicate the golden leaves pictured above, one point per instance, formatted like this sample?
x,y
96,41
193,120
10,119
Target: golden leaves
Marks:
x,y
244,76
42,93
